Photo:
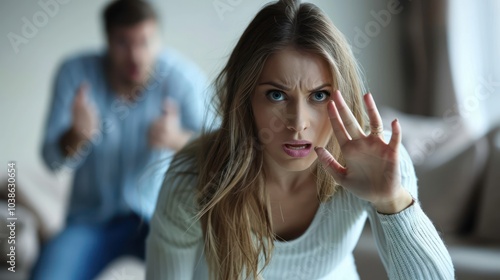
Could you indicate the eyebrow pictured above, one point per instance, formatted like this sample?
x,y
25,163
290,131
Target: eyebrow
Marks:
x,y
282,87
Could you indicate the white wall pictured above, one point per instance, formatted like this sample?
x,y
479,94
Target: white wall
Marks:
x,y
193,27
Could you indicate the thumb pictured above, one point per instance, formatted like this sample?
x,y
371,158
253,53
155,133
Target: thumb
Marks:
x,y
84,88
81,92
330,163
170,108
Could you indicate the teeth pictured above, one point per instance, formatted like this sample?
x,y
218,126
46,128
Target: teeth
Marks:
x,y
297,147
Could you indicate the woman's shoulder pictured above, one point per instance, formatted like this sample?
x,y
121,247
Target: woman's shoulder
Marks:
x,y
177,206
177,200
180,178
175,216
180,184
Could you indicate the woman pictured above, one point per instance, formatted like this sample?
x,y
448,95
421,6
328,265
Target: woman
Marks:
x,y
252,200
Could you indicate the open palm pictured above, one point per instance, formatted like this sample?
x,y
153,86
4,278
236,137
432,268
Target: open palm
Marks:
x,y
371,169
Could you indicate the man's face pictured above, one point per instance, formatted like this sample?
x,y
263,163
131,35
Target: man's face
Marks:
x,y
133,50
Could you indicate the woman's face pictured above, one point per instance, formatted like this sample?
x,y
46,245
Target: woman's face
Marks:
x,y
290,108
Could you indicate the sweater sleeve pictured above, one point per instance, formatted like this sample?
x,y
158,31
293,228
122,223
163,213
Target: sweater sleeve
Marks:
x,y
175,236
408,243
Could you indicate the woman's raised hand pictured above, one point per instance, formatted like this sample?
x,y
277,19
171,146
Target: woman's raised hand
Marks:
x,y
372,166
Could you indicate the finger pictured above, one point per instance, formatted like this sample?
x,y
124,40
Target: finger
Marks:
x,y
337,125
82,89
170,107
396,136
330,163
376,125
82,98
350,122
80,95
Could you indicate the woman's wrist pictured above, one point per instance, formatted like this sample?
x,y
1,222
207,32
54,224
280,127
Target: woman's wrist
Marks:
x,y
396,205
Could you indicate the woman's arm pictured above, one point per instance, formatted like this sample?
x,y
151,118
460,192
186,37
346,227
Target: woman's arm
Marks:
x,y
174,237
379,171
408,243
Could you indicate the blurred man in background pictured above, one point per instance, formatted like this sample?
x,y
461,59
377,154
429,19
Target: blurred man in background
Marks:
x,y
113,114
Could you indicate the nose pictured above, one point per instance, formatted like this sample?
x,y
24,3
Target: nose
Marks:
x,y
135,54
297,117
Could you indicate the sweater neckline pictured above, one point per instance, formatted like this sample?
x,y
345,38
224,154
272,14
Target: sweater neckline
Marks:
x,y
279,243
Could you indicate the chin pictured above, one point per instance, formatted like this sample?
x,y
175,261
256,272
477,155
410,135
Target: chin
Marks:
x,y
296,164
135,79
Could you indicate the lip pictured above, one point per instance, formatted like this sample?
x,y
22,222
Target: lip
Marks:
x,y
134,71
297,153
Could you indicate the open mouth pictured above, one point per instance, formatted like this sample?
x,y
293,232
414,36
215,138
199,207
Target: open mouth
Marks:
x,y
298,147
297,150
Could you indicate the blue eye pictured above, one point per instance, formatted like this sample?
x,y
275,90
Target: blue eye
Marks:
x,y
320,95
275,95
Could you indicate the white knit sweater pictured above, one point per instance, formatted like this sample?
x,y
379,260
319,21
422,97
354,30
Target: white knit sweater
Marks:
x,y
408,243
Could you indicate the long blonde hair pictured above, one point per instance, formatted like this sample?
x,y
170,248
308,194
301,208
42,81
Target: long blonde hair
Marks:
x,y
234,208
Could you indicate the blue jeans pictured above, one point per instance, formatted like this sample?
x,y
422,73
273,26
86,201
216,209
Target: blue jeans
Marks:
x,y
82,251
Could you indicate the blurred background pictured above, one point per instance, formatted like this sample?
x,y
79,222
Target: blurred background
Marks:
x,y
435,65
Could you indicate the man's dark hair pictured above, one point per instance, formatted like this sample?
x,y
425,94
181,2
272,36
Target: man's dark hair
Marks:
x,y
127,13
